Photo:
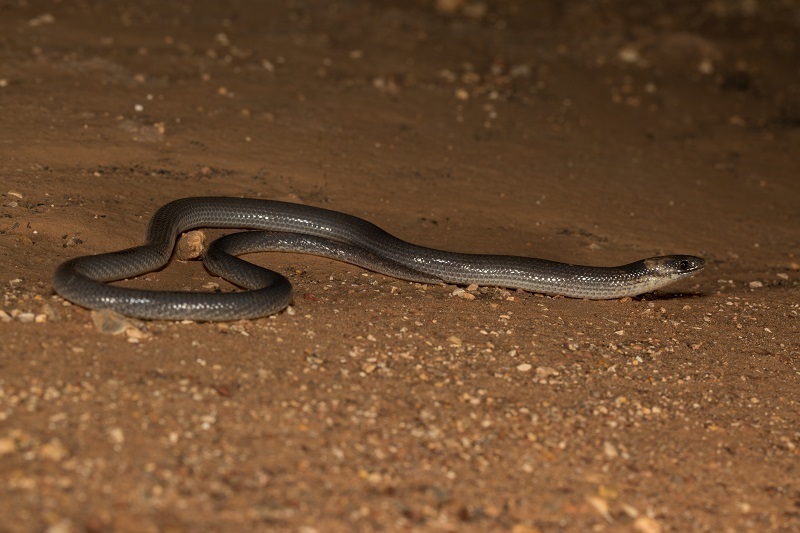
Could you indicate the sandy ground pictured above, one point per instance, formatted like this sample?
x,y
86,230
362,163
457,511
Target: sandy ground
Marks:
x,y
594,132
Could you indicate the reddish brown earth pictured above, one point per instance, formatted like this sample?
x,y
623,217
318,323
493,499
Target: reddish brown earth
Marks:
x,y
594,132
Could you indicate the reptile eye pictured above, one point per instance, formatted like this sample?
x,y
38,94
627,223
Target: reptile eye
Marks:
x,y
684,264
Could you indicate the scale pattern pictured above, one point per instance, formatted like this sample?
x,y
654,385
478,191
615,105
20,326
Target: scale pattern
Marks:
x,y
299,228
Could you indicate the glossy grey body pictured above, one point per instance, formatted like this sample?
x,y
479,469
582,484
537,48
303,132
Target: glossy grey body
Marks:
x,y
332,234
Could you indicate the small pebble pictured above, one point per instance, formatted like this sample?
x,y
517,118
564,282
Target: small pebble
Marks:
x,y
454,340
62,526
190,245
545,371
72,241
644,524
755,284
629,55
26,317
461,293
524,367
109,321
134,333
7,446
610,450
116,435
53,450
601,506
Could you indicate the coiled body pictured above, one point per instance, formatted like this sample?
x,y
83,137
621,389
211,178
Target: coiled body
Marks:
x,y
332,234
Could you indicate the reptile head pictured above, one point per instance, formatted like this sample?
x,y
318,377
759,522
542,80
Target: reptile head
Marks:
x,y
670,268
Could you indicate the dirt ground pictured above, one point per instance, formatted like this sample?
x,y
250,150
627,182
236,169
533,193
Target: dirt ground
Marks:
x,y
589,132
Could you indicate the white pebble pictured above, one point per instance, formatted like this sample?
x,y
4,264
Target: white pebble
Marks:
x,y
26,317
116,435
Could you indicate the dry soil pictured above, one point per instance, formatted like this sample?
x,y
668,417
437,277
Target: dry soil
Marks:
x,y
591,132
